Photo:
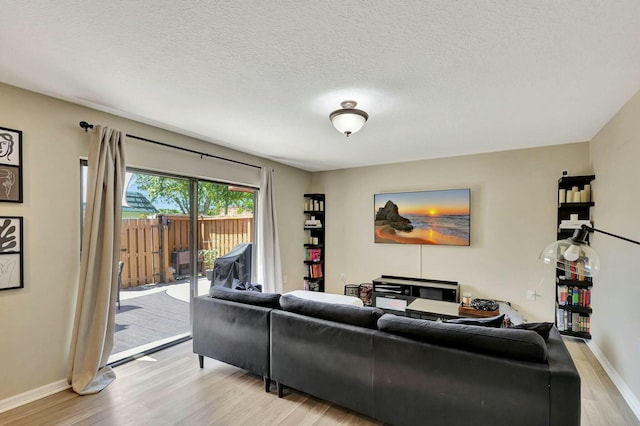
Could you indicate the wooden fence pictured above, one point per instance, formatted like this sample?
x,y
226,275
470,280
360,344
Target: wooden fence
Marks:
x,y
156,250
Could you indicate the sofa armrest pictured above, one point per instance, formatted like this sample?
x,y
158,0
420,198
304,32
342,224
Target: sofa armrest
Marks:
x,y
564,383
232,332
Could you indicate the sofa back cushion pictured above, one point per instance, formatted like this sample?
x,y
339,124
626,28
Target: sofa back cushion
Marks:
x,y
542,328
484,322
266,300
360,316
505,342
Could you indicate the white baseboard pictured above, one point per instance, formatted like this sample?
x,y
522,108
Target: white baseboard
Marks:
x,y
628,396
33,395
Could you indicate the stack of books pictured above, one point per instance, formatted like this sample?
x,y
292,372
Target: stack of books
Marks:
x,y
313,254
575,271
312,223
574,224
311,285
575,296
314,270
573,321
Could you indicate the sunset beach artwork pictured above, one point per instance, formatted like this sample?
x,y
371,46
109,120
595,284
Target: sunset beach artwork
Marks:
x,y
425,217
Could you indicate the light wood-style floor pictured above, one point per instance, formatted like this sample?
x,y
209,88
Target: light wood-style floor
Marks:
x,y
602,404
168,388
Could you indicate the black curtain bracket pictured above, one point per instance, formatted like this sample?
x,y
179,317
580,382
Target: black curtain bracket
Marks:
x,y
86,126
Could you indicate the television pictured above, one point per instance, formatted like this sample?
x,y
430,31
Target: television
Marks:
x,y
440,217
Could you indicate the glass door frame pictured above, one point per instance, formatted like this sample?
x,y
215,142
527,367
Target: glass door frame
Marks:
x,y
193,228
193,235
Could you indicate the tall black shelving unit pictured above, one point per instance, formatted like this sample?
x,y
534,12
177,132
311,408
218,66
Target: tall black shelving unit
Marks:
x,y
573,318
314,248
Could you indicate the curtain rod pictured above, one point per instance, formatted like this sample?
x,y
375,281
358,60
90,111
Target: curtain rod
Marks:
x,y
86,126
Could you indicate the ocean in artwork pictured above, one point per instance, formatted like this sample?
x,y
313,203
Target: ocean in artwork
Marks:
x,y
456,226
424,217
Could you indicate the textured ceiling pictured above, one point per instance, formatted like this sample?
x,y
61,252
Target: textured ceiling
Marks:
x,y
438,78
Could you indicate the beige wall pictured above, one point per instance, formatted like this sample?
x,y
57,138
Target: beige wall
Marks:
x,y
513,217
615,153
36,321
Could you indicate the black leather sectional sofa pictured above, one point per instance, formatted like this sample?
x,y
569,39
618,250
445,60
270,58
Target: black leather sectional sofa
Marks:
x,y
399,370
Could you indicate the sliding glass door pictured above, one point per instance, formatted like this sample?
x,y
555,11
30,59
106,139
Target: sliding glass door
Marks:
x,y
173,231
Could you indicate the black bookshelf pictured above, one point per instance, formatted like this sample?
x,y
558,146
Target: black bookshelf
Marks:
x,y
314,248
573,308
573,319
574,283
579,334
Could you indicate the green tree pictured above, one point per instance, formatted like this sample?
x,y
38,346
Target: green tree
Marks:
x,y
213,198
222,198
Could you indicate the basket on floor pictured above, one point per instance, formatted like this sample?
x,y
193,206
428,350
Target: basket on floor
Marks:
x,y
365,293
352,290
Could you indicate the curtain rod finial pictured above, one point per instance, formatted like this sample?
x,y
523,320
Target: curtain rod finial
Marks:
x,y
86,126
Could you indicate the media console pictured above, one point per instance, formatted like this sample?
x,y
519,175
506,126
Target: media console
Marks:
x,y
394,294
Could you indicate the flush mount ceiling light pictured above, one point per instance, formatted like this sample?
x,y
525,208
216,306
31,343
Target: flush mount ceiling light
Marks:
x,y
348,120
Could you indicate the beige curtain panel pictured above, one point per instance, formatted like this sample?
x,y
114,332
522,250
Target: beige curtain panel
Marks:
x,y
93,330
268,262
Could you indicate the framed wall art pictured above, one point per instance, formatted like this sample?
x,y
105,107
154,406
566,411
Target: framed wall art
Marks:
x,y
11,265
10,165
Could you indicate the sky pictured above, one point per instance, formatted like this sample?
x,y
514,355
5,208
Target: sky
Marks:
x,y
158,204
443,202
130,178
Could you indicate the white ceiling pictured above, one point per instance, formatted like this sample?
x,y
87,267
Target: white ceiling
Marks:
x,y
438,78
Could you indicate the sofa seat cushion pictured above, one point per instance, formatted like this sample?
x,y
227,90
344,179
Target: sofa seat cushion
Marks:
x,y
511,343
266,300
360,316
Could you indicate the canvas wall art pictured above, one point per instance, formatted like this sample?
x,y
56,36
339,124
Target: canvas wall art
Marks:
x,y
424,217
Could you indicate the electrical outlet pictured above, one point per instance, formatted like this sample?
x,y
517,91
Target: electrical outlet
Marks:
x,y
343,278
531,294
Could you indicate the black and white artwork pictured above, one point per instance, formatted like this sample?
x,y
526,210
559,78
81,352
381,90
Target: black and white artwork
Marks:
x,y
11,267
10,165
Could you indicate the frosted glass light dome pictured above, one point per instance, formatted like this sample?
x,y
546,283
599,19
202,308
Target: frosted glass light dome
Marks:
x,y
571,253
348,120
